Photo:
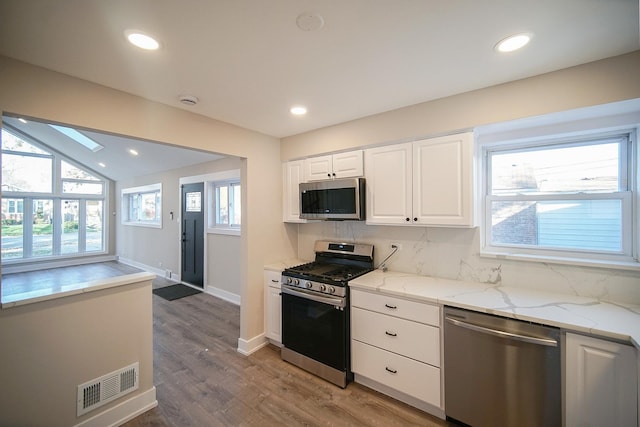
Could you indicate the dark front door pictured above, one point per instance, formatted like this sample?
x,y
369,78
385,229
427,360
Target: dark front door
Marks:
x,y
193,234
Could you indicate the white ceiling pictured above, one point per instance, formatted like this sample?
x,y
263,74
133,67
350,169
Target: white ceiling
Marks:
x,y
248,62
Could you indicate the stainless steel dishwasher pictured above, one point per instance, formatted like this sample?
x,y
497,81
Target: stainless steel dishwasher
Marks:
x,y
501,372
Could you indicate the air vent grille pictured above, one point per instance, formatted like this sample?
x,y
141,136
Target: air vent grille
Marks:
x,y
100,391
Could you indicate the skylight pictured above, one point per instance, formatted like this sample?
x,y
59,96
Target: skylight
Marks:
x,y
78,137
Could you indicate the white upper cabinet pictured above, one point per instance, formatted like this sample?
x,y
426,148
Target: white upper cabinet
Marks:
x,y
341,165
427,182
292,176
388,179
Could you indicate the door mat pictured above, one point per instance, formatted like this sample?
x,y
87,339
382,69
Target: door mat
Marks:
x,y
173,292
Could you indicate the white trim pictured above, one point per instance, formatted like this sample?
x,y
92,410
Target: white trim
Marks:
x,y
222,294
248,347
124,411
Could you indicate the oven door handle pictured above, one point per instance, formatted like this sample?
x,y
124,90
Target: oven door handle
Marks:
x,y
337,302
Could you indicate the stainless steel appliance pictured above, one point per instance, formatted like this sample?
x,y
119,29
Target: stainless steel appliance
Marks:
x,y
336,199
315,309
501,372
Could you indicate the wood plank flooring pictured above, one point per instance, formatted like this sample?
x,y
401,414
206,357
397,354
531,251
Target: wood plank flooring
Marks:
x,y
201,379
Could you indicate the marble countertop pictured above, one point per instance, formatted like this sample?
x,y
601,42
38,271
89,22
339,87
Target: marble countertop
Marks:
x,y
581,314
38,295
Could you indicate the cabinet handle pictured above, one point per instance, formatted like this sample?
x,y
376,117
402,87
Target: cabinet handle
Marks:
x,y
329,175
392,307
275,281
391,334
407,219
393,371
415,219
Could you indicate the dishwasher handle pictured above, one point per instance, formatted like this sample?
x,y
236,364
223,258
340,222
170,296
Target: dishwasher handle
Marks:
x,y
549,342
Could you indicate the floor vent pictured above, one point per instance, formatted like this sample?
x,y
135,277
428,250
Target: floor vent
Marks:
x,y
100,391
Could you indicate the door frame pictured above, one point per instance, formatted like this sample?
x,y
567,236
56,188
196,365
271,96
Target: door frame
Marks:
x,y
208,180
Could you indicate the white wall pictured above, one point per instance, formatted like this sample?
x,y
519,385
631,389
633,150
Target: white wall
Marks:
x,y
454,253
35,92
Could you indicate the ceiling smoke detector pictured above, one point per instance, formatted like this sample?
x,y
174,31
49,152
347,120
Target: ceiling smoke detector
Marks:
x,y
310,21
189,100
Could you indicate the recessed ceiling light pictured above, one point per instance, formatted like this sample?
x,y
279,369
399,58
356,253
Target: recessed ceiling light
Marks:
x,y
298,110
141,40
22,120
102,165
133,152
514,42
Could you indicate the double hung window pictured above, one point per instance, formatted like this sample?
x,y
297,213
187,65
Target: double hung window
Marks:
x,y
562,199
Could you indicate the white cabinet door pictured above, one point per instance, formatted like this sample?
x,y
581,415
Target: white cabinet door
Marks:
x,y
272,305
389,182
292,176
425,183
318,168
340,165
348,165
601,383
443,181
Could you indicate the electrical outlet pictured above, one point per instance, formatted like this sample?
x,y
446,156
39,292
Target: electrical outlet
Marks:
x,y
396,246
167,274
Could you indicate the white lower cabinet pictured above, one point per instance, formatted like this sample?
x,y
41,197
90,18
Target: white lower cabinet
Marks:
x,y
273,306
395,348
601,383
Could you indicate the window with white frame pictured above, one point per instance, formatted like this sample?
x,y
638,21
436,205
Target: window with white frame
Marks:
x,y
227,206
51,208
142,206
563,199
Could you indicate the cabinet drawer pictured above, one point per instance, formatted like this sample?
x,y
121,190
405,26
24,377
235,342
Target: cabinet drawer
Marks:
x,y
407,338
414,378
272,278
410,310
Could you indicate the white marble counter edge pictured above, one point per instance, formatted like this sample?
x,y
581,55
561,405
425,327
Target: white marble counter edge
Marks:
x,y
33,297
365,283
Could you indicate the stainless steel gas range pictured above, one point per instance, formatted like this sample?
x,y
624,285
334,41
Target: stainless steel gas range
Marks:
x,y
315,309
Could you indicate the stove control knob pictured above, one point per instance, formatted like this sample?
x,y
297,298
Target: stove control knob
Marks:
x,y
309,285
296,282
332,290
323,288
289,280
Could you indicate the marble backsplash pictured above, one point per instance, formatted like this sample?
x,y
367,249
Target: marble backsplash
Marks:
x,y
454,254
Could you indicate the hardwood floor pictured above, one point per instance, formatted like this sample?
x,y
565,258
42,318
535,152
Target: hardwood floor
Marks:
x,y
201,379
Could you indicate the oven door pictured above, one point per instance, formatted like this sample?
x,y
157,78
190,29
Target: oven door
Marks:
x,y
316,326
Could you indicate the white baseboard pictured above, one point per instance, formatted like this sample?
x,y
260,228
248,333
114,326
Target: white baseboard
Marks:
x,y
247,347
123,412
132,263
222,294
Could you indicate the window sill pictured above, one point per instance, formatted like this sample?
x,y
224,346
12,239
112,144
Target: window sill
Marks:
x,y
618,265
143,224
226,231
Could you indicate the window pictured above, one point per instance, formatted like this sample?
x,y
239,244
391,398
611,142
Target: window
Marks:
x,y
142,206
227,204
561,199
50,207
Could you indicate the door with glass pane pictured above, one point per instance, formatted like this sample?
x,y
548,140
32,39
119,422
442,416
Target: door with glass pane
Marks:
x,y
192,269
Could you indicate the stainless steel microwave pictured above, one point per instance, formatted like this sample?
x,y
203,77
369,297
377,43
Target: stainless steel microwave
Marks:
x,y
337,199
